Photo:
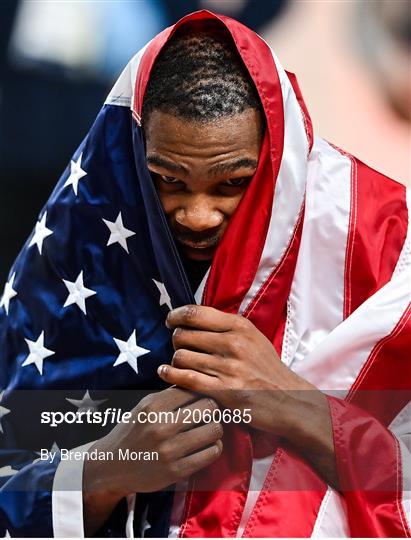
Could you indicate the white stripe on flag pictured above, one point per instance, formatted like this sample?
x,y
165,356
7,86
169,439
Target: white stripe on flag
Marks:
x,y
316,302
123,90
289,189
331,520
336,363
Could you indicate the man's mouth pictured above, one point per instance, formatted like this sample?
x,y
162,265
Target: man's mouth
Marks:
x,y
197,243
197,240
192,244
199,253
199,249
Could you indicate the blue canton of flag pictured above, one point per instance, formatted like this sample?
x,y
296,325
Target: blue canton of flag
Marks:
x,y
83,308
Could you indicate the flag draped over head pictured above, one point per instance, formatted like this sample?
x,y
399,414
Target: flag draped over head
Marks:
x,y
317,256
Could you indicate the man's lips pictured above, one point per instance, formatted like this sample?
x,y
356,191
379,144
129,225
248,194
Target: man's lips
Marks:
x,y
199,245
199,241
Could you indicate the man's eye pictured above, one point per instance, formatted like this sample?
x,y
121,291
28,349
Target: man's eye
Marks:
x,y
236,182
169,179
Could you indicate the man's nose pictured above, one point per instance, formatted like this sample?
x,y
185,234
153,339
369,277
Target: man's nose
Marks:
x,y
199,215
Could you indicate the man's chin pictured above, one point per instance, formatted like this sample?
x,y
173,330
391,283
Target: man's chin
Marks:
x,y
198,254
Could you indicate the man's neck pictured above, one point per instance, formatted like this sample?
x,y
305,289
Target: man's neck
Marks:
x,y
195,271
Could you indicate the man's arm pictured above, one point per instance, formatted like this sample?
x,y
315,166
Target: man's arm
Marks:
x,y
97,506
310,433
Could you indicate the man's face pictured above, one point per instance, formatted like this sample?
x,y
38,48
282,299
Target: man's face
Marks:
x,y
201,172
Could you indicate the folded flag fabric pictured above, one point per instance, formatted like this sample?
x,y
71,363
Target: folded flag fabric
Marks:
x,y
317,256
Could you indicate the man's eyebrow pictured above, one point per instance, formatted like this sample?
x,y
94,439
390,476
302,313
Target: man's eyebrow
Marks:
x,y
155,159
233,166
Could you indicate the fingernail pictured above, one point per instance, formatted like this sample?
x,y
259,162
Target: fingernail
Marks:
x,y
162,370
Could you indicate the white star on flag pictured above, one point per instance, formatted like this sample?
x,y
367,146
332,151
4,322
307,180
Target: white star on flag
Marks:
x,y
118,233
8,294
54,448
3,411
86,403
129,351
40,233
38,353
52,452
7,471
164,296
76,174
78,293
7,535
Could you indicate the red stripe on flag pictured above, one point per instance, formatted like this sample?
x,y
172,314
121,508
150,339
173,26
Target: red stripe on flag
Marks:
x,y
369,469
378,227
216,497
238,256
304,111
383,386
289,501
145,67
275,292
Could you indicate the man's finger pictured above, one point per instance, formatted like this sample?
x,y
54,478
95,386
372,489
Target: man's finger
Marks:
x,y
202,318
189,379
204,363
188,419
172,398
191,464
208,342
196,439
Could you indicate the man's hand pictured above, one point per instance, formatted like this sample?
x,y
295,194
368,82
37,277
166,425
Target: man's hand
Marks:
x,y
226,357
183,449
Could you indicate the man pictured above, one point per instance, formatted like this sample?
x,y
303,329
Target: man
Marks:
x,y
303,261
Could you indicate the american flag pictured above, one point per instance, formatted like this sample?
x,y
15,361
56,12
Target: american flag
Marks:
x,y
317,256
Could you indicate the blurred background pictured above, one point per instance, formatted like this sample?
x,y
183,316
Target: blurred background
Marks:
x,y
59,59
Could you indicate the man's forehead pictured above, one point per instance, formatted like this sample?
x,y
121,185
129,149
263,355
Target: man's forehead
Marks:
x,y
165,127
225,166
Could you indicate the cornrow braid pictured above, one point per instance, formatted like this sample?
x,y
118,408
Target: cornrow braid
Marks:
x,y
200,76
